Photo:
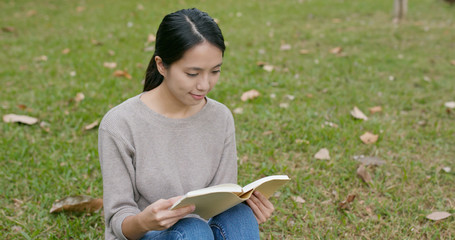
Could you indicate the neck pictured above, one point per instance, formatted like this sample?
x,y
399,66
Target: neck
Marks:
x,y
163,102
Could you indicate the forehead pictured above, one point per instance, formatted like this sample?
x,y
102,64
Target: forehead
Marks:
x,y
203,55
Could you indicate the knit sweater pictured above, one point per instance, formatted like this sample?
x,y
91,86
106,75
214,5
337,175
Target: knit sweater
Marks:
x,y
146,156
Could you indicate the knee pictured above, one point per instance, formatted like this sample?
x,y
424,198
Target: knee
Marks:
x,y
193,228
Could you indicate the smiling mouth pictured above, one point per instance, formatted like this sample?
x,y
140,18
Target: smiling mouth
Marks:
x,y
197,97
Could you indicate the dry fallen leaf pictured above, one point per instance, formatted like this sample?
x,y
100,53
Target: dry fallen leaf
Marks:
x,y
304,51
79,97
370,161
121,73
298,199
435,216
13,118
284,105
322,154
345,204
285,47
42,58
450,105
267,133
92,125
80,9
268,68
77,204
238,110
375,109
356,113
45,126
96,42
248,95
336,50
363,173
66,51
369,138
8,29
151,38
452,62
31,13
110,65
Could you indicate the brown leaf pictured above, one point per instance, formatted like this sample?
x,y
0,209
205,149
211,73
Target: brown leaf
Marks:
x,y
13,118
345,204
450,105
304,51
268,68
369,138
435,216
121,73
8,29
79,97
45,126
261,63
452,62
356,113
363,173
42,58
267,133
92,125
151,38
22,106
298,199
336,50
66,51
238,110
80,9
31,13
96,42
248,95
285,47
375,109
322,154
370,161
77,204
110,65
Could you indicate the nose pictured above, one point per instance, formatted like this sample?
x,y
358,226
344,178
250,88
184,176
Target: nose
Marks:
x,y
203,83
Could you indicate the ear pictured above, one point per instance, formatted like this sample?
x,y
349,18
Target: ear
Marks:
x,y
160,66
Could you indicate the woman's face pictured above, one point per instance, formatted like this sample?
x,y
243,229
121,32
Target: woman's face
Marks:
x,y
192,77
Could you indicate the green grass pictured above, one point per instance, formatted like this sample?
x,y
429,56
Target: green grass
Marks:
x,y
416,133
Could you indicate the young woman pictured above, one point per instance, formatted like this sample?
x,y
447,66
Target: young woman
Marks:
x,y
172,139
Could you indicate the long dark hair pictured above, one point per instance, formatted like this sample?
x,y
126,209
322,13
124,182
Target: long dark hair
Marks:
x,y
178,32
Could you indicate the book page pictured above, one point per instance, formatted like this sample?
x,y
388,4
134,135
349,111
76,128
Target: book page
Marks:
x,y
267,185
227,187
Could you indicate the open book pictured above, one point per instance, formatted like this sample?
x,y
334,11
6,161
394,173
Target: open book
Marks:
x,y
217,199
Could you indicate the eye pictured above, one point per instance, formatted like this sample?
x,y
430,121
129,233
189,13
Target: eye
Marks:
x,y
192,74
216,71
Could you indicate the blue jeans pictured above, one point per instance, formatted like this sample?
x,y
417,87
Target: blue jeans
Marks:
x,y
234,224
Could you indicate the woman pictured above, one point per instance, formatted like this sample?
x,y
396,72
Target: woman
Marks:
x,y
172,139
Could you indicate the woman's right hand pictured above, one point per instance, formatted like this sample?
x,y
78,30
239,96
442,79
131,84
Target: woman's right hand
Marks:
x,y
156,216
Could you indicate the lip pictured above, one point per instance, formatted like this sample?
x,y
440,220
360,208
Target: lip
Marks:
x,y
197,97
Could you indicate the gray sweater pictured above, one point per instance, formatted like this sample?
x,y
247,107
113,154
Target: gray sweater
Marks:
x,y
146,156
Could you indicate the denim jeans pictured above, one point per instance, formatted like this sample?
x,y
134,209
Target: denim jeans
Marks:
x,y
234,224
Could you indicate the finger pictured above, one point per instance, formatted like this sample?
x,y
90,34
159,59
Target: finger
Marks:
x,y
256,210
264,200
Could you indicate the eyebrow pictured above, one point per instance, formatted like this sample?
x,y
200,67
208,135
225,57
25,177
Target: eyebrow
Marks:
x,y
199,69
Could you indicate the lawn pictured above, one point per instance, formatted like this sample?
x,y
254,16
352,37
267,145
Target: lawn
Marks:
x,y
323,58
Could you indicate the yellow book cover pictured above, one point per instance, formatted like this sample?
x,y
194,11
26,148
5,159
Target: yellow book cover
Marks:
x,y
217,199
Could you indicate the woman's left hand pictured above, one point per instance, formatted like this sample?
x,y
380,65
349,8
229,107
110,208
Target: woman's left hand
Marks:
x,y
261,206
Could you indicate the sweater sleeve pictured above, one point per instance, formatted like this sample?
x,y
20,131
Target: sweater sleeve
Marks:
x,y
227,169
116,159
